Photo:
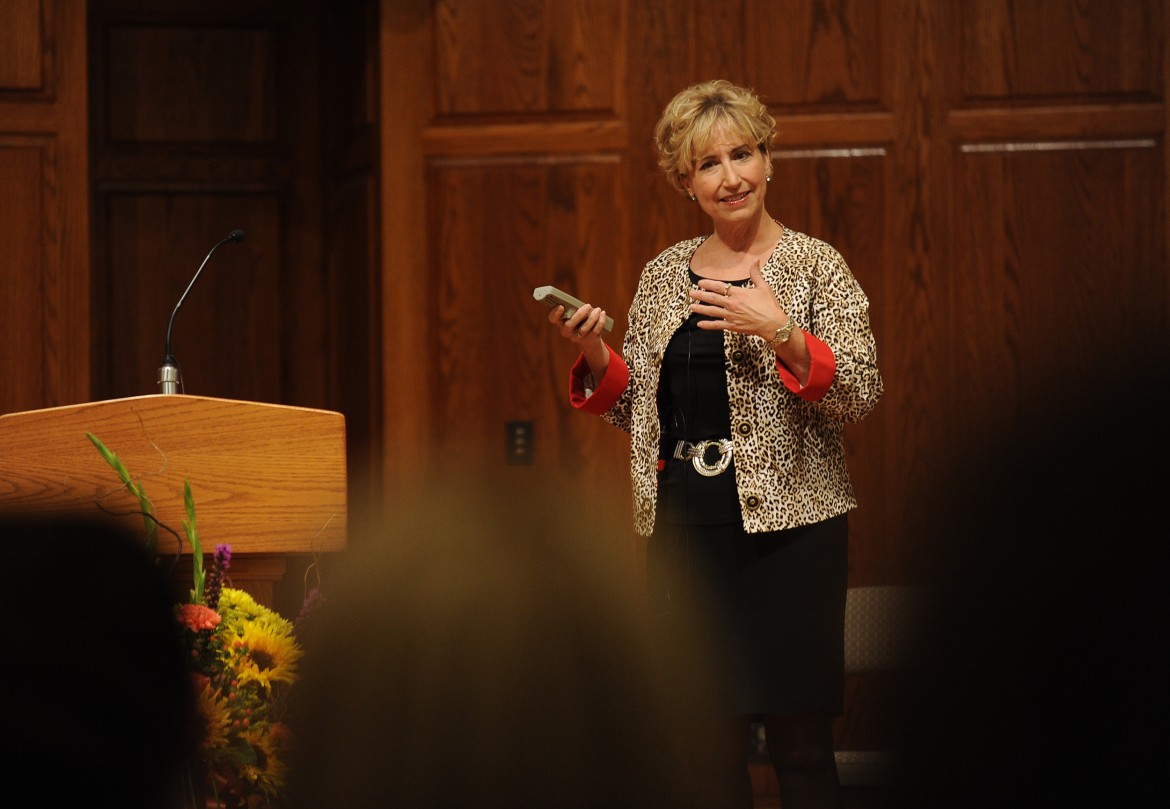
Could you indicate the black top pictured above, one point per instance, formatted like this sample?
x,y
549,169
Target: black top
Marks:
x,y
693,406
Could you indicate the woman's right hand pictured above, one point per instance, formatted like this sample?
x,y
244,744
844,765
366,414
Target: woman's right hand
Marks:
x,y
585,328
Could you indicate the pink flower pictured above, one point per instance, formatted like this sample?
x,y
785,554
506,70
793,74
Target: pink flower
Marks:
x,y
196,617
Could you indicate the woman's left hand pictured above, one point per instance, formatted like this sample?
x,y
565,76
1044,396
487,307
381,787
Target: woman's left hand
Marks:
x,y
751,310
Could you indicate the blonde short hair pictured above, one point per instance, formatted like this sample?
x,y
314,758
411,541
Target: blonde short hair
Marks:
x,y
688,121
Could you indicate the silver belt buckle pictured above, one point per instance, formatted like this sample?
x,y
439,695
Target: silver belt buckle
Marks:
x,y
697,452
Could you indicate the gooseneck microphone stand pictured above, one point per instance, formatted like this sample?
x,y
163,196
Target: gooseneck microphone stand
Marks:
x,y
168,374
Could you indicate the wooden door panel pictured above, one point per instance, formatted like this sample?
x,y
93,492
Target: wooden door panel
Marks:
x,y
171,84
813,54
1058,264
1058,51
25,273
548,57
23,46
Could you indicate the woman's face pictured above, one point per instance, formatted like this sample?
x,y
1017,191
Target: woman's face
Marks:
x,y
729,178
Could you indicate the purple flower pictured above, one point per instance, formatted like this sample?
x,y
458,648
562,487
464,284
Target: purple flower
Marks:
x,y
219,565
312,602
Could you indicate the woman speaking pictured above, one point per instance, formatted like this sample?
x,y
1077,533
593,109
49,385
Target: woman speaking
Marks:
x,y
748,348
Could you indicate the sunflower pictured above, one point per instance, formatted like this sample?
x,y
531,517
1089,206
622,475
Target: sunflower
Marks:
x,y
266,657
268,771
216,714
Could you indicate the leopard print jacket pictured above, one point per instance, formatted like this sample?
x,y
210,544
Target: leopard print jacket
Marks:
x,y
788,443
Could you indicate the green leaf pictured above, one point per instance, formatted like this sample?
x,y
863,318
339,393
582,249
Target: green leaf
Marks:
x,y
135,489
197,573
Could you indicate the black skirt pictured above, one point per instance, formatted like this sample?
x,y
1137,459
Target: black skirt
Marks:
x,y
768,610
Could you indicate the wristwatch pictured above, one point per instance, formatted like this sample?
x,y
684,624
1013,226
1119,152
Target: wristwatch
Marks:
x,y
782,335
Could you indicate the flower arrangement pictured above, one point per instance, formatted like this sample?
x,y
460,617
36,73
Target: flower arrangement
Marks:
x,y
244,660
243,664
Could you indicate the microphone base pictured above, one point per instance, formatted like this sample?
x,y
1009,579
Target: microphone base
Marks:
x,y
168,379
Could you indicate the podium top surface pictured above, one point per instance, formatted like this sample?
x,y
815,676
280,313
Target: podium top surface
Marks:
x,y
265,478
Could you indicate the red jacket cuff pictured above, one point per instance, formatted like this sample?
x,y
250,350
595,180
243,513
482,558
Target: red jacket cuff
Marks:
x,y
822,369
609,388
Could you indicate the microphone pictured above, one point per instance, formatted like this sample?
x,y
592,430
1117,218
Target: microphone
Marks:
x,y
168,374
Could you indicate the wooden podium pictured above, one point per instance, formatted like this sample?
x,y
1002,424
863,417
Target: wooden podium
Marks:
x,y
269,480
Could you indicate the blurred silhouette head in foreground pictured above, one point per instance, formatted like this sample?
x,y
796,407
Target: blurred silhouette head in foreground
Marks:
x,y
94,691
1040,680
490,649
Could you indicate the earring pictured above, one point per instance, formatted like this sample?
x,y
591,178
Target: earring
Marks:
x,y
692,197
768,179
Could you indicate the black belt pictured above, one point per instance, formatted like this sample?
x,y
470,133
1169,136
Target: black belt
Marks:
x,y
697,452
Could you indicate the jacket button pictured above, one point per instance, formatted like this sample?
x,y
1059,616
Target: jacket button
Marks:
x,y
737,355
752,502
744,428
